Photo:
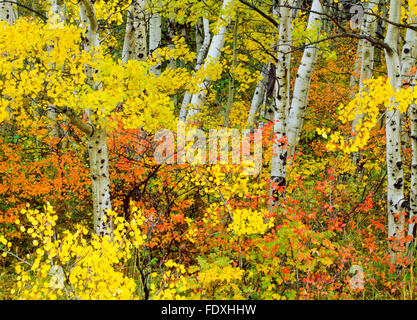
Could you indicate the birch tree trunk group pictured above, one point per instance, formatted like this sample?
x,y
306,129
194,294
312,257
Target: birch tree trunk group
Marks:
x,y
289,114
143,38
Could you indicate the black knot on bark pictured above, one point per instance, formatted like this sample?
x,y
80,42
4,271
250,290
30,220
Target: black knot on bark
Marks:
x,y
404,204
399,183
279,181
399,165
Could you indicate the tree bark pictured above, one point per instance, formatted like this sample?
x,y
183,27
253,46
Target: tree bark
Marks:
x,y
258,97
99,166
413,184
155,24
97,137
279,150
367,62
213,56
395,186
55,16
200,59
408,61
135,46
354,79
303,80
8,13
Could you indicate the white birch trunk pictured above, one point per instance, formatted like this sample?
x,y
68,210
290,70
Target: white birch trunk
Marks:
x,y
409,54
288,61
367,61
172,64
97,139
302,81
213,56
354,79
279,157
395,185
8,13
155,24
55,16
200,59
413,183
100,177
408,61
258,97
135,41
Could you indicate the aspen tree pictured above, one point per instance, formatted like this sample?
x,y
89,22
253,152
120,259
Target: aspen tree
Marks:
x,y
55,16
290,125
135,42
155,34
201,54
7,12
413,183
279,157
303,79
258,97
395,185
213,56
354,78
408,61
366,59
96,133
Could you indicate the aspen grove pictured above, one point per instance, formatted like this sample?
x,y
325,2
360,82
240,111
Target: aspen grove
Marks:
x,y
216,149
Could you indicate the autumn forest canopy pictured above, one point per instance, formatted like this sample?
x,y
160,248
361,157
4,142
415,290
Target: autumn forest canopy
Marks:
x,y
215,149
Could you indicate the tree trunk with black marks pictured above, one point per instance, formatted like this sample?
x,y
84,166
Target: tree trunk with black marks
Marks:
x,y
213,56
100,177
395,185
55,16
155,25
279,157
408,61
303,80
367,62
135,42
354,79
8,13
96,134
413,184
